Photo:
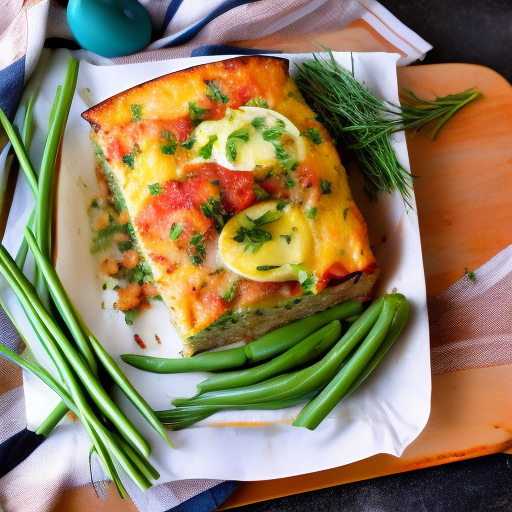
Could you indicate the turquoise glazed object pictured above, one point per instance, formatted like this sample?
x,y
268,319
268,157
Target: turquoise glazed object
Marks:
x,y
110,28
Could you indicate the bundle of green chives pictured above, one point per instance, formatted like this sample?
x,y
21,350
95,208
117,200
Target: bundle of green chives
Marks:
x,y
78,356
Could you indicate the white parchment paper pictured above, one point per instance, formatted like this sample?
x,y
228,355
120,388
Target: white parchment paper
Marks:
x,y
383,416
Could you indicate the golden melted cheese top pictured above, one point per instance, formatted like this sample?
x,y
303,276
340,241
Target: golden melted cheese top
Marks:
x,y
236,193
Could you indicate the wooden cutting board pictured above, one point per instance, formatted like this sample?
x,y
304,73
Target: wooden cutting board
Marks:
x,y
463,192
464,197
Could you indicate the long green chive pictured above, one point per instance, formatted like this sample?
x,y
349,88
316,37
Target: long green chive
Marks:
x,y
55,132
35,309
21,153
61,300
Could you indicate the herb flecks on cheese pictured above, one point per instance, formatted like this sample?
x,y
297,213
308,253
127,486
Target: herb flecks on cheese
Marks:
x,y
249,138
252,240
220,173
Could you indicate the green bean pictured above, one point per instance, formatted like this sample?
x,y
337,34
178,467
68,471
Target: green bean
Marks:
x,y
269,345
38,371
182,417
279,340
314,412
397,325
211,361
299,382
84,413
309,348
35,309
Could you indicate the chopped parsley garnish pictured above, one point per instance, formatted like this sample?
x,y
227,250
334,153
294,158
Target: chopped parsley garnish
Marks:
x,y
268,217
326,186
215,182
188,143
257,102
254,237
313,135
265,268
289,183
125,246
155,189
288,238
212,209
471,275
200,252
260,193
131,315
275,131
258,122
136,113
240,135
285,159
215,94
169,148
230,292
129,159
196,112
307,281
206,151
281,206
345,211
312,213
176,230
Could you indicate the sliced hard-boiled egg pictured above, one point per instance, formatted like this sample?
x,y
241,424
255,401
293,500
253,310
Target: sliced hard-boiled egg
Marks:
x,y
240,141
266,241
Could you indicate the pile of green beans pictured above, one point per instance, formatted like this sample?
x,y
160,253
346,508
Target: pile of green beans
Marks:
x,y
270,345
77,355
324,383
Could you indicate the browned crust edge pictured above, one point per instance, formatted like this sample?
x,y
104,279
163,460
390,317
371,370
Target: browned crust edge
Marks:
x,y
251,324
92,114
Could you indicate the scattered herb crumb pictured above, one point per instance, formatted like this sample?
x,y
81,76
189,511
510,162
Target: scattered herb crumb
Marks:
x,y
155,189
471,275
326,186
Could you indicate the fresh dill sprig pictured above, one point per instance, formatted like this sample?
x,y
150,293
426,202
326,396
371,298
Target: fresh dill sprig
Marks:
x,y
361,122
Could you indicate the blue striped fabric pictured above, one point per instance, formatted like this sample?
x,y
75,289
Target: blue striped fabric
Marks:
x,y
187,34
208,500
17,448
225,49
11,86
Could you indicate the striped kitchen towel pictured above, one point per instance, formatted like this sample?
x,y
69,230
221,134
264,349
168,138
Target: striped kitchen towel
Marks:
x,y
181,26
33,471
